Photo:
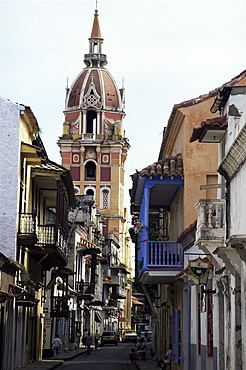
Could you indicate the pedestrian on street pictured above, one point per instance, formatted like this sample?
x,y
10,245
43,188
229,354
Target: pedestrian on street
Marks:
x,y
134,355
96,337
56,345
89,341
168,358
85,333
143,349
77,340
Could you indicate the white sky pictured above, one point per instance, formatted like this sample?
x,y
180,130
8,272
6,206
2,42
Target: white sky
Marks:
x,y
167,51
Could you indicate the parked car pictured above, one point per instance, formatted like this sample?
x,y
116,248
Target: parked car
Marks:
x,y
109,337
129,336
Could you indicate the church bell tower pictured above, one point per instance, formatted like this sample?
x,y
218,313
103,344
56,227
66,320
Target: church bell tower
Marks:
x,y
93,145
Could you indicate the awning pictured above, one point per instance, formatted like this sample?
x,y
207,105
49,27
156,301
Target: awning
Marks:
x,y
98,317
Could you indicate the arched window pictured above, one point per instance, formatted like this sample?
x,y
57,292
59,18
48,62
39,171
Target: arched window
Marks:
x,y
91,121
90,192
90,171
105,198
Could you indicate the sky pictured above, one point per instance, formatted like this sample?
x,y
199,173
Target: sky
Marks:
x,y
165,51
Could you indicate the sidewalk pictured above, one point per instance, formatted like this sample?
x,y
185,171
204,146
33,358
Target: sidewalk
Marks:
x,y
49,364
149,364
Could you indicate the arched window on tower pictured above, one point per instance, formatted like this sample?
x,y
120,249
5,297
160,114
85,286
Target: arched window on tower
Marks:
x,y
90,171
91,122
105,198
90,192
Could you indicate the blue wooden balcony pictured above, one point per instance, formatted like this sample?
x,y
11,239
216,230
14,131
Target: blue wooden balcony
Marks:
x,y
159,261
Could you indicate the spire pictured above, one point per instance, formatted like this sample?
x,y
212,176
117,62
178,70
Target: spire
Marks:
x,y
95,58
96,33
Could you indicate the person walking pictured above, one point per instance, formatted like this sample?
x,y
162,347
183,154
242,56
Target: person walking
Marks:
x,y
85,333
143,349
56,345
89,341
77,340
168,358
96,337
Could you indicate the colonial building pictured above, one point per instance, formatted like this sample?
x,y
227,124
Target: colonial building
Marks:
x,y
94,147
220,234
35,196
162,203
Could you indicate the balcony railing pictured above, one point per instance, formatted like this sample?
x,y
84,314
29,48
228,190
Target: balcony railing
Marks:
x,y
121,292
210,219
85,289
60,306
27,223
44,234
30,288
162,253
95,56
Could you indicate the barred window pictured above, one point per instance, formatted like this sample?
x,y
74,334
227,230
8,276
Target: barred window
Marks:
x,y
105,198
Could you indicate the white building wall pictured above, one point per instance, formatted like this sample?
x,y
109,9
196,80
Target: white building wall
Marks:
x,y
9,182
235,123
243,314
238,205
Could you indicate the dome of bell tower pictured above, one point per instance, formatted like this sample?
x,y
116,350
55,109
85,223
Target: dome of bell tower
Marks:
x,y
94,89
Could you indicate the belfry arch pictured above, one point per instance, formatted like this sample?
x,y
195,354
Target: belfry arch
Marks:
x,y
91,122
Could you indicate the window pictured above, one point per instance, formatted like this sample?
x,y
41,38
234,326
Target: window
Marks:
x,y
90,171
90,192
105,198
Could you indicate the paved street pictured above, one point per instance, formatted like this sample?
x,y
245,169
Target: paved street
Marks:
x,y
109,357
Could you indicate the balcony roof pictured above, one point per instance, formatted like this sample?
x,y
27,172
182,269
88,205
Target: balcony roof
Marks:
x,y
210,131
50,256
47,175
120,267
136,302
164,177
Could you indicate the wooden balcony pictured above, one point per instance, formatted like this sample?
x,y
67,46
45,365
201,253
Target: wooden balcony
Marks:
x,y
27,230
162,253
85,291
60,307
43,240
28,296
159,261
112,302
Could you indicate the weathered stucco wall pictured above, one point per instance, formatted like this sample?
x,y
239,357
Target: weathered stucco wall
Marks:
x,y
9,184
238,205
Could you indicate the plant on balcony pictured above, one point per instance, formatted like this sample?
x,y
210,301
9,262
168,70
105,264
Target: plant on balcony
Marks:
x,y
138,226
138,317
24,274
156,235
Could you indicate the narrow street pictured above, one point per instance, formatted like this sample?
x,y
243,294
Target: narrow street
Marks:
x,y
109,357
